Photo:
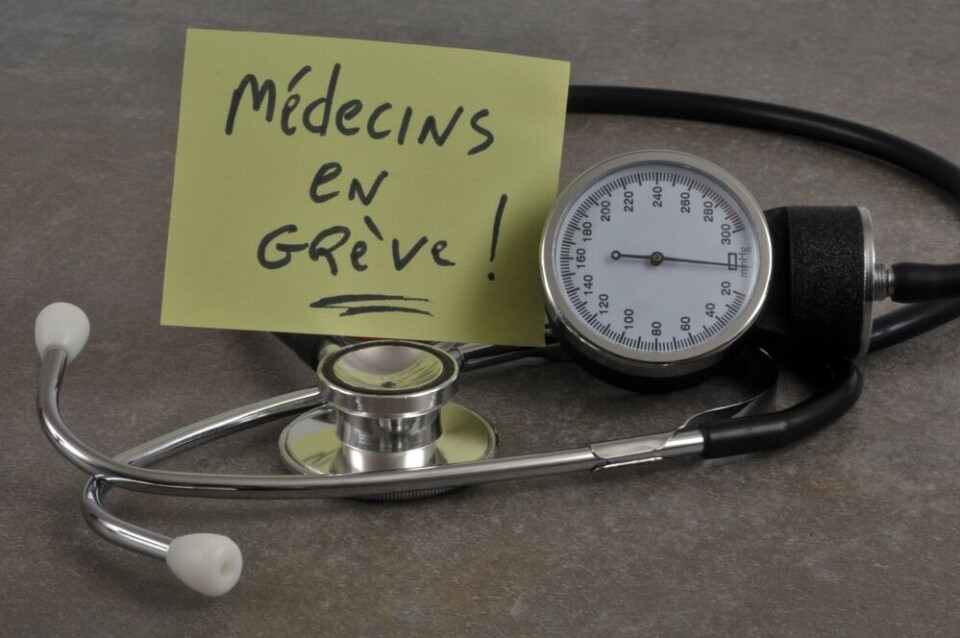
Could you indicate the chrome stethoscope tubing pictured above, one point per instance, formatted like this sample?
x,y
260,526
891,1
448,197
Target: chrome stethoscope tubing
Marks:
x,y
210,563
130,475
151,543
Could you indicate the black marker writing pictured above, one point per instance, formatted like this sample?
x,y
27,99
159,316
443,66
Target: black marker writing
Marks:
x,y
329,245
501,206
330,171
290,105
268,92
313,104
487,135
304,110
357,304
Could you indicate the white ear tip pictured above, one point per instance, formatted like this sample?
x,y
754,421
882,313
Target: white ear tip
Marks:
x,y
207,563
62,325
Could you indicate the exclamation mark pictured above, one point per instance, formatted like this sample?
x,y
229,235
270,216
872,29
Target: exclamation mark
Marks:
x,y
496,232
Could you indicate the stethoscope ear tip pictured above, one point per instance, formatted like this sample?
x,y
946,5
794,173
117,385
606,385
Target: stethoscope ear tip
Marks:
x,y
62,325
207,563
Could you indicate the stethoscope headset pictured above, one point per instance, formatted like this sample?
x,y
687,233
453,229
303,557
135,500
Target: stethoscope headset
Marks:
x,y
379,424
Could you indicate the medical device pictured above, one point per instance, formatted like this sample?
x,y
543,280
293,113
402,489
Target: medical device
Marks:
x,y
659,269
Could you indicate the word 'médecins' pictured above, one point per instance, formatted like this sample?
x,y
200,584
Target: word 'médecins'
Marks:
x,y
384,121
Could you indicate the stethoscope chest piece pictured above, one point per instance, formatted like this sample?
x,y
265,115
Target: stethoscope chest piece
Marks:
x,y
387,409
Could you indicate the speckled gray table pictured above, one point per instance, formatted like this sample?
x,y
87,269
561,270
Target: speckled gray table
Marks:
x,y
854,532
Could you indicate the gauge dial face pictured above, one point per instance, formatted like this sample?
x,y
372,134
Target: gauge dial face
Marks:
x,y
656,257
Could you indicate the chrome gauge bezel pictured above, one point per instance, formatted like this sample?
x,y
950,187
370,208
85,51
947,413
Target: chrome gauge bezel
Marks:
x,y
574,330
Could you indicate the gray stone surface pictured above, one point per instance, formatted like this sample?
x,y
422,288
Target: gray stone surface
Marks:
x,y
854,532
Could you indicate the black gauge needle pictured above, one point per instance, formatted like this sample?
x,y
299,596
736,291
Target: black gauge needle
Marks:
x,y
657,258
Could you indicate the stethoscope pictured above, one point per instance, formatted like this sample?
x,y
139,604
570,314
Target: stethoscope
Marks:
x,y
723,285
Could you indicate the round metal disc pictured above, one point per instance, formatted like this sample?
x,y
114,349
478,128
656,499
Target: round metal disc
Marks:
x,y
385,379
310,445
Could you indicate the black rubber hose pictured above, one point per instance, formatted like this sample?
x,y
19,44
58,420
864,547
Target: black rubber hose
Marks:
x,y
906,323
925,282
768,431
771,117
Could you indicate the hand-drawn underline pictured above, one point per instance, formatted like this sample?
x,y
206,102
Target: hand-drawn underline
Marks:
x,y
340,302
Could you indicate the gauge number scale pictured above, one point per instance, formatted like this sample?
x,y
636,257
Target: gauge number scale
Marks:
x,y
656,256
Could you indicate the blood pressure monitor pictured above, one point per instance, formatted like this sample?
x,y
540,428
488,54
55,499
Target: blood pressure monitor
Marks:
x,y
654,265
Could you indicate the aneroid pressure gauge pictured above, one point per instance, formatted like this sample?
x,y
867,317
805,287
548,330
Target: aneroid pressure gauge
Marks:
x,y
654,264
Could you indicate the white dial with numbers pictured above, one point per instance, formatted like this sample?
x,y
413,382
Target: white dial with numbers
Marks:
x,y
655,262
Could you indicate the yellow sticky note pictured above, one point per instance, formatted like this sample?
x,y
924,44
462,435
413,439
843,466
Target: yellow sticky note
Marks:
x,y
359,188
